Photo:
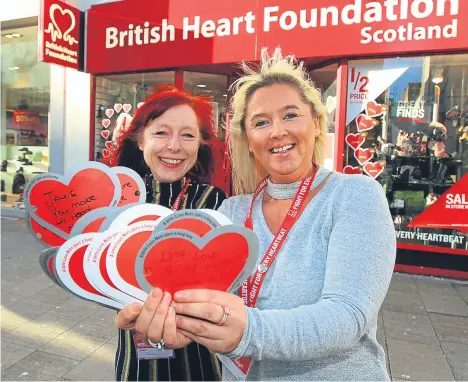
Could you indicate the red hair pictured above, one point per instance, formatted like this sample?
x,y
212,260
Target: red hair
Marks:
x,y
159,100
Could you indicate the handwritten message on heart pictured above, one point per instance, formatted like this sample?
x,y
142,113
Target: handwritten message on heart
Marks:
x,y
355,140
57,203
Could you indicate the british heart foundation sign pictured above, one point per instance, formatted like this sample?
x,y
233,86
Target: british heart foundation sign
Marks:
x,y
60,38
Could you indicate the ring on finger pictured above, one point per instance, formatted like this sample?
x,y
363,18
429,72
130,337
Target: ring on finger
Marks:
x,y
226,313
159,345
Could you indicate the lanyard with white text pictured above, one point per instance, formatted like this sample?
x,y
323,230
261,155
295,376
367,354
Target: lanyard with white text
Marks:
x,y
251,288
176,204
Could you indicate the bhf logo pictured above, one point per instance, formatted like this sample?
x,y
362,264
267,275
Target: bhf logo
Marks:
x,y
62,23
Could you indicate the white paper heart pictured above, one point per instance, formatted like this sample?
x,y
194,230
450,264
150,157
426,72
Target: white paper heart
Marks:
x,y
109,113
118,107
140,104
127,107
106,122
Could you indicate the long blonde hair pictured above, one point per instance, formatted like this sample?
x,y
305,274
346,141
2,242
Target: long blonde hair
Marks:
x,y
274,69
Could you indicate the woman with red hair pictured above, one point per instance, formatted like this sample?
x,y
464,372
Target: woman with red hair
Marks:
x,y
170,144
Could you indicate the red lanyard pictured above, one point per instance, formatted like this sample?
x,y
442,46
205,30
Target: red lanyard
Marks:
x,y
176,204
251,288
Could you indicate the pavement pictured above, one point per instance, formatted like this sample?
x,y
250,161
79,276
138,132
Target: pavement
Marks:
x,y
48,334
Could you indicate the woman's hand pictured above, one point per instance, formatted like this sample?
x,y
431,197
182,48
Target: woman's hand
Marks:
x,y
155,320
207,310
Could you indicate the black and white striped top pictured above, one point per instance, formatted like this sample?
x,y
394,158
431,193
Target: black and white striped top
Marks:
x,y
194,362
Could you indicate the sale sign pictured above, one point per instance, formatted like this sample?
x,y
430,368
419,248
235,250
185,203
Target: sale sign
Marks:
x,y
26,118
60,37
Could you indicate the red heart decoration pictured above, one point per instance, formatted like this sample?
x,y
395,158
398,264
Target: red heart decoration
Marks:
x,y
105,153
106,123
105,134
109,144
43,234
127,107
364,123
363,156
140,104
130,190
53,203
373,169
350,170
214,266
118,107
355,140
374,109
109,113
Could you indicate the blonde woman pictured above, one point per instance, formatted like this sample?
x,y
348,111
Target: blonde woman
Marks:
x,y
327,246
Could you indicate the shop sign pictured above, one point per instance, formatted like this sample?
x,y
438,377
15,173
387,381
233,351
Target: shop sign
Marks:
x,y
135,35
26,118
60,37
410,111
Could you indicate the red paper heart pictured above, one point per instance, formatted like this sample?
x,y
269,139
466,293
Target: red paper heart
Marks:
x,y
350,170
62,205
130,190
109,144
109,113
105,153
94,226
373,169
77,273
127,107
215,266
355,140
364,123
118,107
105,134
106,123
363,156
45,235
374,109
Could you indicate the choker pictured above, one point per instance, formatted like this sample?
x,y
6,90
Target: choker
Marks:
x,y
282,191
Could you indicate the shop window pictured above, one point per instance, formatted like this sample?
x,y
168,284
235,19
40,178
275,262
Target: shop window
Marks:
x,y
24,112
117,95
215,86
325,79
407,127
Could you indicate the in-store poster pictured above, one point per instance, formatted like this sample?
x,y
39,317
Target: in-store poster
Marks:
x,y
366,81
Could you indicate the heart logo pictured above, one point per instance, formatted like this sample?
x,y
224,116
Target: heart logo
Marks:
x,y
140,104
363,156
374,109
373,169
57,202
109,113
118,107
350,170
355,140
197,262
364,123
106,123
61,18
105,134
127,107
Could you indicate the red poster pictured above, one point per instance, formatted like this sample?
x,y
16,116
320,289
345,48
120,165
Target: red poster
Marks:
x,y
449,211
26,118
60,34
135,35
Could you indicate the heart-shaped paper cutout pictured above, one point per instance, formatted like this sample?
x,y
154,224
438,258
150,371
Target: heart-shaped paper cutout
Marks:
x,y
105,134
105,153
92,221
46,261
57,202
127,107
69,270
95,268
109,144
350,170
133,213
363,156
140,104
176,260
106,123
109,113
118,107
373,169
42,234
121,257
364,123
355,140
374,109
133,189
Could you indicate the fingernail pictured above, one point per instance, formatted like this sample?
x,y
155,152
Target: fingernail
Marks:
x,y
167,297
136,307
171,311
156,293
179,295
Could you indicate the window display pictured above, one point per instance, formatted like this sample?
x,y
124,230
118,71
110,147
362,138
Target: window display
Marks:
x,y
24,113
407,127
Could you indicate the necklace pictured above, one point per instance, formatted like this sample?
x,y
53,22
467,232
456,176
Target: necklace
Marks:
x,y
282,190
